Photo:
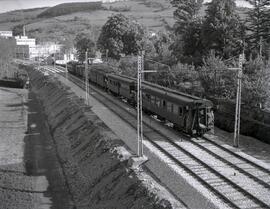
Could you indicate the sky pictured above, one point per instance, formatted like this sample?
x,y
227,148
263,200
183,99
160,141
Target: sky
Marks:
x,y
8,5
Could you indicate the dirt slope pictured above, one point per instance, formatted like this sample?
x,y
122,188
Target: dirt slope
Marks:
x,y
95,161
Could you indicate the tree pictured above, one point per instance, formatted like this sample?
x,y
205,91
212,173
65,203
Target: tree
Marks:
x,y
161,43
256,88
192,43
258,26
221,30
185,12
83,43
187,46
17,30
120,35
216,79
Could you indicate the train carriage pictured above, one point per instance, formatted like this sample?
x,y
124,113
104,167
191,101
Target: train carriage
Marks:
x,y
121,85
80,70
102,78
98,75
92,75
188,113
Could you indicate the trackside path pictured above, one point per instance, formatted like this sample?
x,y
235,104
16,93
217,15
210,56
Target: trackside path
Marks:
x,y
30,175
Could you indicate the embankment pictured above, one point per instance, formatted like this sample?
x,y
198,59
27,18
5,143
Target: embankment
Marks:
x,y
254,122
95,162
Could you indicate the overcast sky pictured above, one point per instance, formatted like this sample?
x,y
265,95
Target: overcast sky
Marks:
x,y
7,5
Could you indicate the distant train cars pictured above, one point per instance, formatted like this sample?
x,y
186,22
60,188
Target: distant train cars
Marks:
x,y
188,113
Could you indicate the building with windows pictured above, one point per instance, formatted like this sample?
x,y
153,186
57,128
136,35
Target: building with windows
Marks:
x,y
22,52
6,34
25,47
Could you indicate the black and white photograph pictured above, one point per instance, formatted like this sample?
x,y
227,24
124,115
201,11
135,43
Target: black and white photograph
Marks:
x,y
134,104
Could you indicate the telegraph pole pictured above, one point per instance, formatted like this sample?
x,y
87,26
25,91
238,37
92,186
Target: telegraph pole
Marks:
x,y
86,77
238,102
66,68
139,106
261,45
139,102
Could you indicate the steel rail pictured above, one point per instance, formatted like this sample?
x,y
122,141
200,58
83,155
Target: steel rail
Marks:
x,y
238,188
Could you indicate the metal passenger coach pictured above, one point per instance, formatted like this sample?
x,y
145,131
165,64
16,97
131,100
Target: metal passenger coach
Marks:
x,y
188,113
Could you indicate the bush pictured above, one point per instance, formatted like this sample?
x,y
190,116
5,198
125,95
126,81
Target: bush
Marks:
x,y
128,66
256,79
216,79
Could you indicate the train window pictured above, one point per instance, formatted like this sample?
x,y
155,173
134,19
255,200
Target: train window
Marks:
x,y
180,111
158,101
148,96
164,104
169,107
153,99
175,109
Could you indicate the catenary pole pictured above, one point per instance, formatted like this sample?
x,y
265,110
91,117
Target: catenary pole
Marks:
x,y
66,70
86,77
238,102
140,71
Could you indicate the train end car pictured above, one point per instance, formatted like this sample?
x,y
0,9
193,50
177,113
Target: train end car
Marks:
x,y
188,113
122,86
99,75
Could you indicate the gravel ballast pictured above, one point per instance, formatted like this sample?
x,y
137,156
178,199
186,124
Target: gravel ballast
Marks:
x,y
96,163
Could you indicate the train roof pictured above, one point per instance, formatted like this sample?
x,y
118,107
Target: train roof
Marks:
x,y
169,94
173,95
121,78
101,68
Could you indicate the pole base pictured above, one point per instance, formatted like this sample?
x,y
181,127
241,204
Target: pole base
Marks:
x,y
137,162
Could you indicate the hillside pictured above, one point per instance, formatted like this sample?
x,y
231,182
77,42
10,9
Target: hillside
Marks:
x,y
69,8
63,22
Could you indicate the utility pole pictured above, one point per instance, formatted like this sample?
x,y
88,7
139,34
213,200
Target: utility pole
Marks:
x,y
238,102
38,60
139,102
66,71
54,60
139,106
261,45
86,77
107,52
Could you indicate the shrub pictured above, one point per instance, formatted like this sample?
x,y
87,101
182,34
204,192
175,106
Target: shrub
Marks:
x,y
216,79
256,79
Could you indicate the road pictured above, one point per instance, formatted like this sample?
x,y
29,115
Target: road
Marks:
x,y
30,173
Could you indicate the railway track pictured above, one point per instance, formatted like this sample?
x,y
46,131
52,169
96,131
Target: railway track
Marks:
x,y
248,192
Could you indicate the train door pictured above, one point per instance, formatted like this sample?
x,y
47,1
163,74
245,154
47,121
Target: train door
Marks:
x,y
210,118
202,119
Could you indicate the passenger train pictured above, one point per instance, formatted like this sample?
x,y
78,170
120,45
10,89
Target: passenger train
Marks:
x,y
190,114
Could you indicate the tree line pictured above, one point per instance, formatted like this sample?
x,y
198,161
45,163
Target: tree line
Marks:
x,y
199,48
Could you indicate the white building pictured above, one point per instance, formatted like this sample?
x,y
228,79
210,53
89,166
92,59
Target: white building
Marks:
x,y
25,41
6,34
46,49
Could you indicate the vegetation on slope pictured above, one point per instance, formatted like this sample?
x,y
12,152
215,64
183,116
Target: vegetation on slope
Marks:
x,y
68,8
